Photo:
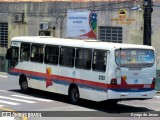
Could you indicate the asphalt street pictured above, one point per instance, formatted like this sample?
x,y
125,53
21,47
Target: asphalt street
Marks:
x,y
57,106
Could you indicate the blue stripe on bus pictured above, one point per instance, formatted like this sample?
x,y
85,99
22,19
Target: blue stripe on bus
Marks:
x,y
62,82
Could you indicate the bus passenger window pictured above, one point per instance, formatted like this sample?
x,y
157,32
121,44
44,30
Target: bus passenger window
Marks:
x,y
25,51
99,60
67,56
51,55
83,58
37,53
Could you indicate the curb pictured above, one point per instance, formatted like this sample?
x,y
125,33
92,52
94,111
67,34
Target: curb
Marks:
x,y
3,73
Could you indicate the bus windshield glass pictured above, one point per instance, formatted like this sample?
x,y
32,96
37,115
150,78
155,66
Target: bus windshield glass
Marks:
x,y
134,57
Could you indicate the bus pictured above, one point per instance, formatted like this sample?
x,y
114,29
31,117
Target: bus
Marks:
x,y
83,69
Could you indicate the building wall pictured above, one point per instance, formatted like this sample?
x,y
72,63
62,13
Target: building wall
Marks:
x,y
133,32
36,12
156,30
54,13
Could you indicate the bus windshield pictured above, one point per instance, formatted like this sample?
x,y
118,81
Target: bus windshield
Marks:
x,y
134,57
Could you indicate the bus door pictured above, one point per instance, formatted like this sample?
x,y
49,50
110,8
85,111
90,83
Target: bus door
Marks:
x,y
133,66
13,55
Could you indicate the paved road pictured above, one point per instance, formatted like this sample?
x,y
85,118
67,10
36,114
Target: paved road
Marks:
x,y
12,99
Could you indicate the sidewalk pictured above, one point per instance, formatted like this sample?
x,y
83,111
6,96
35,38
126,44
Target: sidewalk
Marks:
x,y
3,73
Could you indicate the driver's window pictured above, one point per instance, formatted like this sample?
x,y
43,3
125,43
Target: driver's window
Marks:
x,y
15,56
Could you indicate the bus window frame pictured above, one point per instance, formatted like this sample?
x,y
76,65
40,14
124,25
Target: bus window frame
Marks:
x,y
106,57
136,65
91,60
48,45
29,51
34,53
59,60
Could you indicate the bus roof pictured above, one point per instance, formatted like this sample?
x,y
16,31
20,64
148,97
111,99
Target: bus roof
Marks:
x,y
85,43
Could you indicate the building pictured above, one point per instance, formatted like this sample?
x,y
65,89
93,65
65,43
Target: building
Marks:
x,y
107,20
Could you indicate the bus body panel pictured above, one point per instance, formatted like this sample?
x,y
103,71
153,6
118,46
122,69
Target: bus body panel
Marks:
x,y
93,95
92,85
132,82
87,88
139,76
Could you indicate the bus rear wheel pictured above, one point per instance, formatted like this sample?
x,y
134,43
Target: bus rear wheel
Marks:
x,y
74,95
24,85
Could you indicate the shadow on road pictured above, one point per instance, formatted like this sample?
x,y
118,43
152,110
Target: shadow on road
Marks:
x,y
95,106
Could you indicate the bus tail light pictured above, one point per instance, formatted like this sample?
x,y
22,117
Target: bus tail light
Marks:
x,y
114,81
154,81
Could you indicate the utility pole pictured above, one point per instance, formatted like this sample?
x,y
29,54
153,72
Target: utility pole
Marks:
x,y
147,5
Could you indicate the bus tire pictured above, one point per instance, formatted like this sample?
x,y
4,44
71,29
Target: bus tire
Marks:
x,y
24,85
73,95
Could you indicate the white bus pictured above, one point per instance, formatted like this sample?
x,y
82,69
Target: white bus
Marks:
x,y
86,69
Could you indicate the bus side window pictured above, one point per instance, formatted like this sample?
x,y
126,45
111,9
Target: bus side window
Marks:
x,y
83,58
51,54
99,60
37,51
67,56
25,51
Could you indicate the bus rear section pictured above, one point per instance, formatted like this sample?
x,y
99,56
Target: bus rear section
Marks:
x,y
135,74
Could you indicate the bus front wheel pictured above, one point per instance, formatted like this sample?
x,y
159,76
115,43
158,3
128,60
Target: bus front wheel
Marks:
x,y
24,85
74,95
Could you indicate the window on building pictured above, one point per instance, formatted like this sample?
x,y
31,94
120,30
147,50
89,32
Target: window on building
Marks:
x,y
25,51
4,34
99,60
51,55
67,56
83,58
110,34
37,52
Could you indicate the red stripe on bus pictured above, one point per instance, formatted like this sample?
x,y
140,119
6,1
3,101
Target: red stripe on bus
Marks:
x,y
81,81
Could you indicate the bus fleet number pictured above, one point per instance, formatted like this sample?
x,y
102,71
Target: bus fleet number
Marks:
x,y
147,86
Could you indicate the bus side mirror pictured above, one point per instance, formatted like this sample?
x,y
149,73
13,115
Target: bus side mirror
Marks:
x,y
9,54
